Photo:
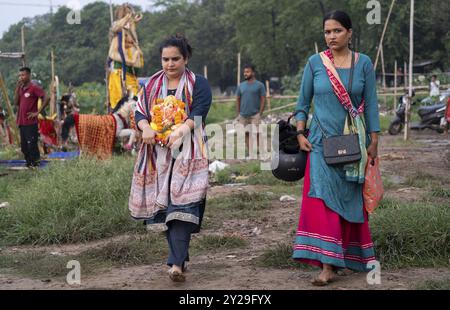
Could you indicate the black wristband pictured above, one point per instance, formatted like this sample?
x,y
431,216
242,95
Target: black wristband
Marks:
x,y
300,132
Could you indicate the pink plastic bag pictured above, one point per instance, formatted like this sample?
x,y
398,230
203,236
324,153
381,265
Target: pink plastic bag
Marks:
x,y
373,190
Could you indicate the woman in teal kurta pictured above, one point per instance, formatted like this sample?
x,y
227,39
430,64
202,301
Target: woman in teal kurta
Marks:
x,y
333,230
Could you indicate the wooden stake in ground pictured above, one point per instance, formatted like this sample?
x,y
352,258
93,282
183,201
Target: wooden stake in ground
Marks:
x,y
382,35
268,95
11,116
239,70
411,59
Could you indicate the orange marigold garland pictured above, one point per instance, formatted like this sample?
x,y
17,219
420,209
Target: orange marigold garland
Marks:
x,y
167,116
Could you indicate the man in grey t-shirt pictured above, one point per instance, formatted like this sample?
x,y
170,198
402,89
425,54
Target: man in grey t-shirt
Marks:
x,y
251,96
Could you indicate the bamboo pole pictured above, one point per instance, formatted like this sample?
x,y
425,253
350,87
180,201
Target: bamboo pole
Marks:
x,y
316,47
11,116
268,95
111,12
395,85
12,55
410,79
58,94
205,72
383,70
53,87
239,70
382,35
405,76
24,62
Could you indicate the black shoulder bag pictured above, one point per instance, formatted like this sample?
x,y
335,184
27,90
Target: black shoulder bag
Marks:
x,y
342,149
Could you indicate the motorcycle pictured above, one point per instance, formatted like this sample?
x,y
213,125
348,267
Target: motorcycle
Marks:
x,y
430,117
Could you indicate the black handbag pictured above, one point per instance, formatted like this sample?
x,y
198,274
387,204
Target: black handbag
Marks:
x,y
342,149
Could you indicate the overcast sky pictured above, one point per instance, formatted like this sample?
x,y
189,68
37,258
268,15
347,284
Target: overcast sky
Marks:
x,y
12,11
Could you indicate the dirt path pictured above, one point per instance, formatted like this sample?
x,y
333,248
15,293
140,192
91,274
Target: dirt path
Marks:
x,y
235,269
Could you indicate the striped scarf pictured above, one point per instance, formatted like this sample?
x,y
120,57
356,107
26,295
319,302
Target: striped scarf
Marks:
x,y
354,172
159,178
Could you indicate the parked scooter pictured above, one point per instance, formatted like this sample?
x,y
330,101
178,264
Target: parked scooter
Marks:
x,y
430,117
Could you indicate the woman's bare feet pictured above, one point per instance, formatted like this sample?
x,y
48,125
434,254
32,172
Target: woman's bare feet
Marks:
x,y
176,274
325,277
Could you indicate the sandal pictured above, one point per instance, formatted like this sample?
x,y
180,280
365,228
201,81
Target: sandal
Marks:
x,y
176,276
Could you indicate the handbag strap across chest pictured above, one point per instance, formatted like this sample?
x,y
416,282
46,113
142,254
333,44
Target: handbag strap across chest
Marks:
x,y
349,90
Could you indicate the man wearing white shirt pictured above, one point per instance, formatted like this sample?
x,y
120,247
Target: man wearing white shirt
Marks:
x,y
434,87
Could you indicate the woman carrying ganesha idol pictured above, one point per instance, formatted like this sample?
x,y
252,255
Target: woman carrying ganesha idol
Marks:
x,y
170,179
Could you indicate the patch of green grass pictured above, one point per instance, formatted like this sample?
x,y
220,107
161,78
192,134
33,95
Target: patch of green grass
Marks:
x,y
220,112
217,243
385,122
280,257
388,203
440,192
241,201
223,177
10,152
252,173
388,183
267,178
411,234
241,205
12,181
46,266
400,142
422,180
295,189
441,284
69,202
136,250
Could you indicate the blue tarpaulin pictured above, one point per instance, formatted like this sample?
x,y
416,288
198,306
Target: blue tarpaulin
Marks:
x,y
63,155
20,163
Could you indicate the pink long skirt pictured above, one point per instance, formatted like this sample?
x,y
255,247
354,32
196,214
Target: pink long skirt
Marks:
x,y
324,237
